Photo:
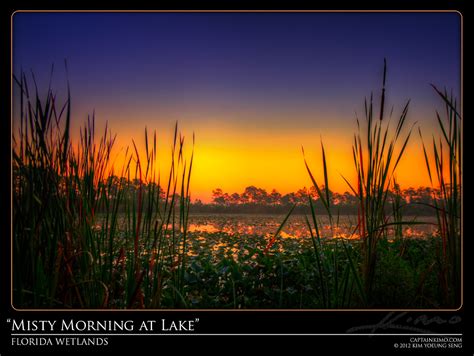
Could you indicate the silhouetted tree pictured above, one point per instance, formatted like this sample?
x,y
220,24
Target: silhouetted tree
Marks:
x,y
274,198
253,195
218,197
419,200
235,199
301,196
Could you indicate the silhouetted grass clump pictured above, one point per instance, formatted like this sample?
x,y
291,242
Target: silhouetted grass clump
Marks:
x,y
445,170
370,271
71,247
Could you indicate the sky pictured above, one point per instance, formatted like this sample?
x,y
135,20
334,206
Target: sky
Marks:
x,y
253,87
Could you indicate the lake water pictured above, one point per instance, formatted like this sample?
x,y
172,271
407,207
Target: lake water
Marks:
x,y
295,227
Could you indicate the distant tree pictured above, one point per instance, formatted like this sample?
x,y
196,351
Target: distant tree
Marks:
x,y
348,199
313,192
337,199
262,196
274,198
234,199
409,194
226,198
289,199
323,190
424,195
301,196
254,195
416,199
218,197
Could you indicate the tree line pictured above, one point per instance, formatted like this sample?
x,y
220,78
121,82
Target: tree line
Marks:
x,y
253,199
416,201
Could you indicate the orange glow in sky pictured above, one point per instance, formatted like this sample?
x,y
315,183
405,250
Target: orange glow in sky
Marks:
x,y
233,157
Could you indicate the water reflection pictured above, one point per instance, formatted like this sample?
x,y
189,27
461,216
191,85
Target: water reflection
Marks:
x,y
295,228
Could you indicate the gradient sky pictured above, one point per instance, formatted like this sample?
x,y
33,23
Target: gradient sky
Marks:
x,y
254,87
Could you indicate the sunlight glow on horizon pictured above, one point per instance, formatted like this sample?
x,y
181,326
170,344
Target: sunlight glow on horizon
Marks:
x,y
233,160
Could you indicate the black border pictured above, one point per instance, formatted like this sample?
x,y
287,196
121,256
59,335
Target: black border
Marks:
x,y
218,322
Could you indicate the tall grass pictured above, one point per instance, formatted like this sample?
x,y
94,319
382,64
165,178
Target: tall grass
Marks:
x,y
444,168
376,154
377,151
337,276
72,246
